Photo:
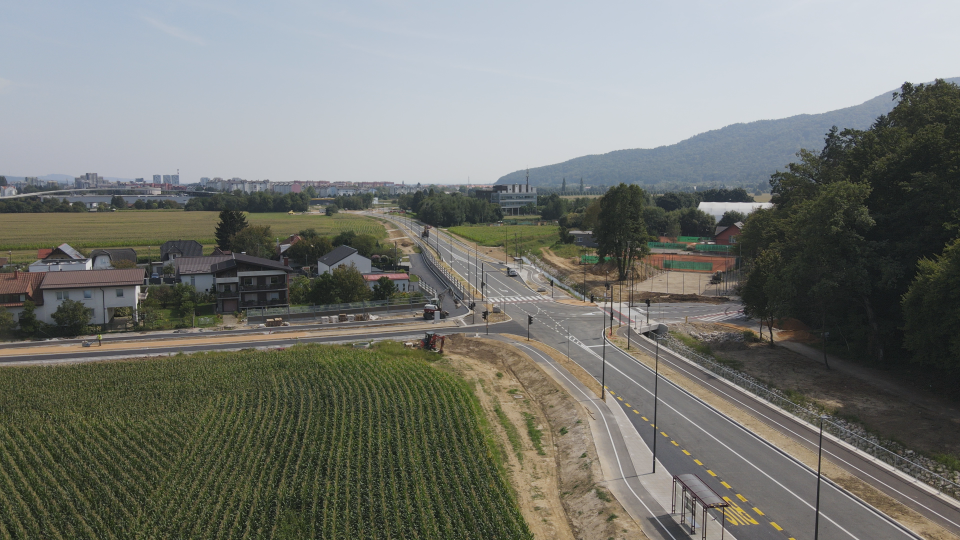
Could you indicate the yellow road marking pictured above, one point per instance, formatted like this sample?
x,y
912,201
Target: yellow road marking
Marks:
x,y
618,397
711,472
726,485
610,392
775,526
645,419
664,434
675,443
757,510
741,497
638,412
697,461
651,425
737,515
687,453
627,404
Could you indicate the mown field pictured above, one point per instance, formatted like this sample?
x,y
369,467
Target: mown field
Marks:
x,y
154,227
311,442
530,237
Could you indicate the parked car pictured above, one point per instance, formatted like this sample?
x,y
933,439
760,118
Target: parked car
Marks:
x,y
512,272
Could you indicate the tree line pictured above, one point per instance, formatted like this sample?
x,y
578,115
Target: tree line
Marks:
x,y
449,210
256,202
863,241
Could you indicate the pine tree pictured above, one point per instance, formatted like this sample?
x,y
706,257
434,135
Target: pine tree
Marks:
x,y
231,222
564,186
581,185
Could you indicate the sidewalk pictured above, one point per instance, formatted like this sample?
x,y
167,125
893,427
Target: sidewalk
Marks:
x,y
625,459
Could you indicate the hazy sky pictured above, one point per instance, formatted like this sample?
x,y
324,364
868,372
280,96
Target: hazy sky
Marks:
x,y
431,92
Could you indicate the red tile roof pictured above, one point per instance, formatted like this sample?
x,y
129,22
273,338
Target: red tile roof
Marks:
x,y
42,253
27,283
391,277
93,278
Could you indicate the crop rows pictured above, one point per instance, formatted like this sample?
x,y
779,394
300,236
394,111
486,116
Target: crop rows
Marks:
x,y
309,442
152,228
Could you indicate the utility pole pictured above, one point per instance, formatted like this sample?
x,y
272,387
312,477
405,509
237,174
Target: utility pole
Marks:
x,y
816,522
656,381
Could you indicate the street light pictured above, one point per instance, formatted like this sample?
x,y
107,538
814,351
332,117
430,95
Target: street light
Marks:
x,y
603,368
816,523
656,381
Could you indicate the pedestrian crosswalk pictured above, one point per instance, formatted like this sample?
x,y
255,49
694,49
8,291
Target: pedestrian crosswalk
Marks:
x,y
725,316
517,299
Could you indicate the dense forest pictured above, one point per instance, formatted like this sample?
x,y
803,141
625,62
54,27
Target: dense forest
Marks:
x,y
863,242
260,201
737,155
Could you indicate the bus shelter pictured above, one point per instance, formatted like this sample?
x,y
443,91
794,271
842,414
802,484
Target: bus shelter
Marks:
x,y
693,492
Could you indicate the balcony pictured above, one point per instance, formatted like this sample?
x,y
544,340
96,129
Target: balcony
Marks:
x,y
265,287
228,294
263,303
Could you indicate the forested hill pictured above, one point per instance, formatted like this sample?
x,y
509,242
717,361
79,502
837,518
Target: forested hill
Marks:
x,y
736,155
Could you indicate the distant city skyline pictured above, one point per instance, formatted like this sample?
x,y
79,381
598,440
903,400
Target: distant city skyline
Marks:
x,y
428,92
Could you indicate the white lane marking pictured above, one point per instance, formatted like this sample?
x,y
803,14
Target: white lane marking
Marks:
x,y
609,436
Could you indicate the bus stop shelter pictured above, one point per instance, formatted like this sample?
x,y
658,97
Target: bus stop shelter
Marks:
x,y
694,491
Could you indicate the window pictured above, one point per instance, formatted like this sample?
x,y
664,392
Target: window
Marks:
x,y
63,295
193,281
733,239
274,280
248,281
119,293
88,294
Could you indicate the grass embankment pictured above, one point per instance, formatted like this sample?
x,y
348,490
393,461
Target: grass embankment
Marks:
x,y
529,238
25,233
310,442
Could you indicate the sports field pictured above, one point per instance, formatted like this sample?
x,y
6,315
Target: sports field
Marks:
x,y
135,228
311,442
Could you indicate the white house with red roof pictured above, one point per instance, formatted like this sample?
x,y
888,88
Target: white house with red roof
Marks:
x,y
402,281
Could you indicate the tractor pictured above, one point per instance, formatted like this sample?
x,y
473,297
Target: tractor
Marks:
x,y
430,342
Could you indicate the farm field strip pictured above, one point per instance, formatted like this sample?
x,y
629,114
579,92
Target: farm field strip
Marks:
x,y
531,237
154,227
312,441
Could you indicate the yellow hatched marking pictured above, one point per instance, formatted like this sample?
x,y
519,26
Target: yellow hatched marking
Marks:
x,y
775,526
618,397
697,461
627,404
726,485
687,453
757,510
675,443
638,412
711,472
738,516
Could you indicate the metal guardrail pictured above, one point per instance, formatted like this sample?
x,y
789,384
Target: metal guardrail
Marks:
x,y
893,456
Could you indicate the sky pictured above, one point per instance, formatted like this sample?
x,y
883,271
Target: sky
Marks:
x,y
432,92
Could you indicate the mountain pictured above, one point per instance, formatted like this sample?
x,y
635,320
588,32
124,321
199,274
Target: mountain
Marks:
x,y
736,155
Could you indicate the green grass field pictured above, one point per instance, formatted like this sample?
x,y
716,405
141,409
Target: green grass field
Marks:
x,y
530,237
154,227
311,442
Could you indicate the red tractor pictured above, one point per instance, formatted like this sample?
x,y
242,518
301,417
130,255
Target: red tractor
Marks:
x,y
432,342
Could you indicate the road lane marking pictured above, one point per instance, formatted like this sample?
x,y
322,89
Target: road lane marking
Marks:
x,y
741,497
675,443
726,485
757,510
775,526
688,453
711,472
636,411
697,461
737,515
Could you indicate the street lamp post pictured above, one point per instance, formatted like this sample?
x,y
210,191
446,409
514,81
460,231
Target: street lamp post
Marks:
x,y
656,381
603,368
816,523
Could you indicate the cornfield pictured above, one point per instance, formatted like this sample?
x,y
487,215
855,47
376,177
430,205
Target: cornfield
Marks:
x,y
319,442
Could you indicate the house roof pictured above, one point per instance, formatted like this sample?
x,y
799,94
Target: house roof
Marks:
x,y
93,278
20,282
738,225
238,258
184,248
63,248
338,254
581,232
3,261
391,277
122,254
198,265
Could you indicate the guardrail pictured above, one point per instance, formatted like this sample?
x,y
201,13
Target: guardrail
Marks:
x,y
303,312
894,456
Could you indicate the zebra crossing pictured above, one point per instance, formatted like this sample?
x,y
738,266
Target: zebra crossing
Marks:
x,y
517,299
721,317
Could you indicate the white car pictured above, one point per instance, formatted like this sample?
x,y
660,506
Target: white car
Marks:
x,y
512,273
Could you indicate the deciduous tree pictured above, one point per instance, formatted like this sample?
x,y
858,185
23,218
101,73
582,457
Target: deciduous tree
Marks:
x,y
620,231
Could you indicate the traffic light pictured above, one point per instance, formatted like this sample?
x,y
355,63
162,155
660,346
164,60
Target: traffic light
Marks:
x,y
529,320
591,298
485,314
473,305
551,283
648,302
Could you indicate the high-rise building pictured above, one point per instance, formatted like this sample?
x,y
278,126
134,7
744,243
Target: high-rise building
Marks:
x,y
138,180
204,180
166,179
175,179
156,179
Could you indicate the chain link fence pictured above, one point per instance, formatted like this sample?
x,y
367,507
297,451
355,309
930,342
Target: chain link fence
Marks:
x,y
890,452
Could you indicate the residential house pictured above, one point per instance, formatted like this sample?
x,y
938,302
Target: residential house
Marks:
x,y
343,256
198,271
402,281
584,239
8,191
243,281
102,291
172,249
62,258
728,235
718,209
19,287
103,259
